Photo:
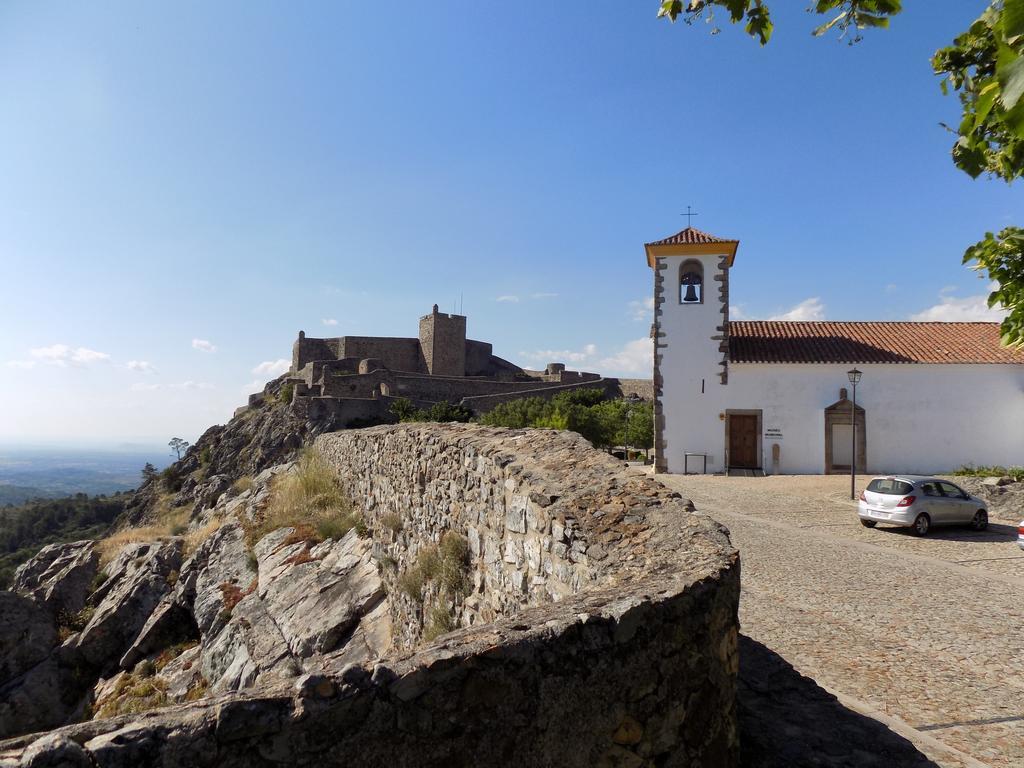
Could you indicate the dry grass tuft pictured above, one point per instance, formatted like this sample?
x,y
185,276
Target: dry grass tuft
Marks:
x,y
242,484
166,520
132,695
194,538
311,501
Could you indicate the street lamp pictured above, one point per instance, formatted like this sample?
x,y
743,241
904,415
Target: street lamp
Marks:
x,y
854,377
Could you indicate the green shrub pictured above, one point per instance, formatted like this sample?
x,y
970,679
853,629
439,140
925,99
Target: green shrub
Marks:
x,y
171,479
205,456
441,622
286,393
969,470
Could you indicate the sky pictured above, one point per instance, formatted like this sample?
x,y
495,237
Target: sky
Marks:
x,y
183,187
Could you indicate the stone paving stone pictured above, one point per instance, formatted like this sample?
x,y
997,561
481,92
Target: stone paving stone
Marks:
x,y
885,617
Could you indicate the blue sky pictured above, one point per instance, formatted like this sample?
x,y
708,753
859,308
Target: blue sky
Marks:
x,y
185,186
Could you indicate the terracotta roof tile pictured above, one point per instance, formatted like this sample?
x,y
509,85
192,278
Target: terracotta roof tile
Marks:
x,y
691,236
775,341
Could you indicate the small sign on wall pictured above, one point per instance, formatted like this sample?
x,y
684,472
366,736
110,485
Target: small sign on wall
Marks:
x,y
773,433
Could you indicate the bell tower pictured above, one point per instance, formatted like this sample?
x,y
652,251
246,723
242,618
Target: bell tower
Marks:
x,y
691,343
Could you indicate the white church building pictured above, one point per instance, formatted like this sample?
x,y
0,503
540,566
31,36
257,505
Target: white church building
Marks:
x,y
776,397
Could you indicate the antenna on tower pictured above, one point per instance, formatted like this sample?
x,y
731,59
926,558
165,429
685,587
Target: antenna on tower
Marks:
x,y
460,302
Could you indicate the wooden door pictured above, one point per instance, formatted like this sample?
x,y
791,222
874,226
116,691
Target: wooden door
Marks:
x,y
743,441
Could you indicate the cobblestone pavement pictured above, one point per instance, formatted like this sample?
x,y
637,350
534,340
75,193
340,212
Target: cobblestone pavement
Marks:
x,y
926,633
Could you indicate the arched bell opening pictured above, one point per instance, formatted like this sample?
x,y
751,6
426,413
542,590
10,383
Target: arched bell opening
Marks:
x,y
691,282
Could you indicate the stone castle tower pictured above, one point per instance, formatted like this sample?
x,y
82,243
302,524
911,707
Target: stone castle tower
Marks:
x,y
443,343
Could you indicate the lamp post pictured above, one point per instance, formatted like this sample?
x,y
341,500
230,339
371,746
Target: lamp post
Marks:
x,y
854,376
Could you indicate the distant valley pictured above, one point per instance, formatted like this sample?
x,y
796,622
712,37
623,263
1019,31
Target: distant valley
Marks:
x,y
32,473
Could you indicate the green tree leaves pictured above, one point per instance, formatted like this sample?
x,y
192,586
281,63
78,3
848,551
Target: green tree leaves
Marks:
x,y
1002,256
984,66
847,14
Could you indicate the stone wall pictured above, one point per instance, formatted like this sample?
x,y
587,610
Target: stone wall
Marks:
x,y
484,403
600,628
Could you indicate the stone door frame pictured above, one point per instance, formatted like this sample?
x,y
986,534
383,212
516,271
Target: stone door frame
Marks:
x,y
838,414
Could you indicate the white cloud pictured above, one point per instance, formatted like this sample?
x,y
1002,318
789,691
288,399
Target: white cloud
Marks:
x,y
508,299
633,358
140,386
544,295
273,368
329,321
62,355
252,387
22,364
736,312
808,309
142,366
636,357
195,385
203,345
589,352
642,310
966,310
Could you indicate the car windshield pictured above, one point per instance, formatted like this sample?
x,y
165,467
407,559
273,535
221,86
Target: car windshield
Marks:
x,y
889,486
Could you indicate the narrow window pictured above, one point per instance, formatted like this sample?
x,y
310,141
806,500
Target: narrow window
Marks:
x,y
691,282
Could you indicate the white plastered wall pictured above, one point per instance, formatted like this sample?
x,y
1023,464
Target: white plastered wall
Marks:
x,y
919,418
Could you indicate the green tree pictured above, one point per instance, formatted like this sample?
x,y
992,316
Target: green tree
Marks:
x,y
148,472
179,446
984,66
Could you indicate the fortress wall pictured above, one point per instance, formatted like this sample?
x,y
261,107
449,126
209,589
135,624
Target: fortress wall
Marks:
x,y
435,388
484,403
394,353
478,358
613,642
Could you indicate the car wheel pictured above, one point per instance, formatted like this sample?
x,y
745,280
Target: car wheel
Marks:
x,y
921,524
868,523
980,521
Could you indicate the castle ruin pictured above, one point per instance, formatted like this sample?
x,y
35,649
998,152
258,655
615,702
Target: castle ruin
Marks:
x,y
357,378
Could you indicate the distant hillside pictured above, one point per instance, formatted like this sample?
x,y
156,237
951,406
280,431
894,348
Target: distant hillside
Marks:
x,y
19,494
25,529
29,473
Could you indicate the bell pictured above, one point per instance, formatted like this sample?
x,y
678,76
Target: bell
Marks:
x,y
691,293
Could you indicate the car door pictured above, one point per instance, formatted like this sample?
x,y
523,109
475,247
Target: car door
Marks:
x,y
960,507
935,503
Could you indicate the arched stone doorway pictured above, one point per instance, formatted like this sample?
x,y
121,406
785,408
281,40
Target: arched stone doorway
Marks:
x,y
839,436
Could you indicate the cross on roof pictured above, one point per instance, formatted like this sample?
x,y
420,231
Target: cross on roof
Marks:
x,y
689,216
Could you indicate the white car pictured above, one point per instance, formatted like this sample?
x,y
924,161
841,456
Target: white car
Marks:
x,y
918,503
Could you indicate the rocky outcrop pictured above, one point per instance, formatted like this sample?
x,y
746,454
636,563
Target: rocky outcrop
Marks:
x,y
29,682
59,577
317,595
136,581
578,614
262,436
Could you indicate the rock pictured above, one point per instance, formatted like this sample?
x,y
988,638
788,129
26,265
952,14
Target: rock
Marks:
x,y
168,624
137,580
33,701
248,649
59,577
221,559
207,493
27,635
55,751
316,603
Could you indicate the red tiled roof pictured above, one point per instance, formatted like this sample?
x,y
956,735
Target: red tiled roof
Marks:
x,y
775,341
691,236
